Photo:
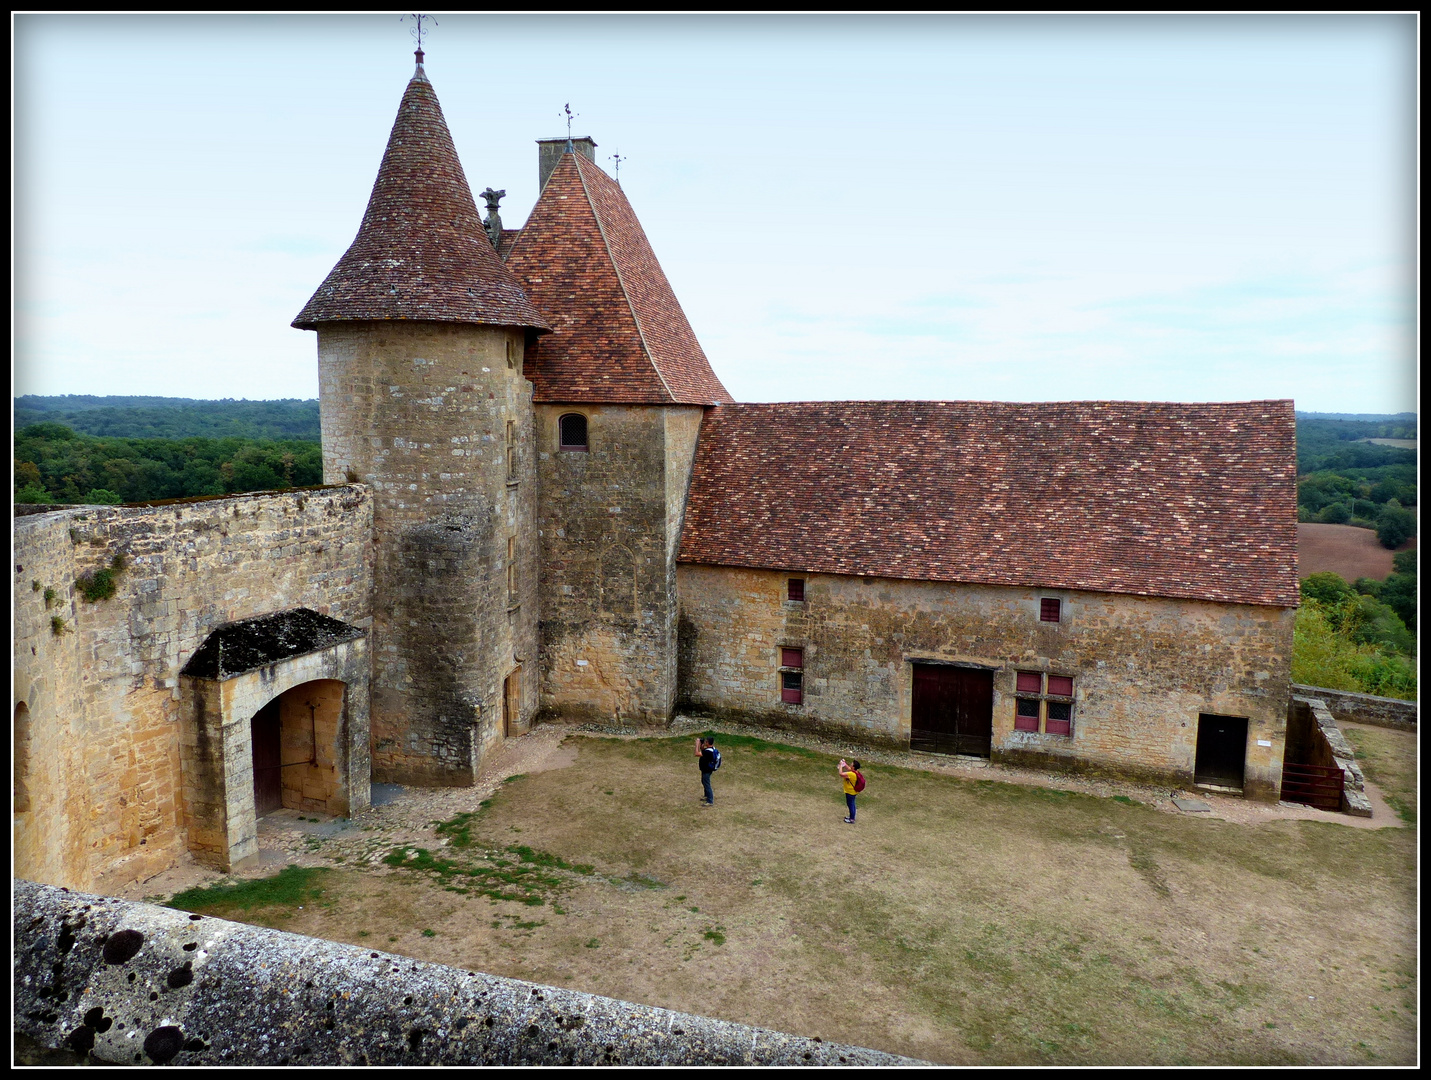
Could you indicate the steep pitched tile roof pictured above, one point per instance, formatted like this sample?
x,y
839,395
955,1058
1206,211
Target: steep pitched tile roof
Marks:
x,y
421,251
620,334
1195,501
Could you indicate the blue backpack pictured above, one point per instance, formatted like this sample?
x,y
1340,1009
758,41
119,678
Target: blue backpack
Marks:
x,y
715,759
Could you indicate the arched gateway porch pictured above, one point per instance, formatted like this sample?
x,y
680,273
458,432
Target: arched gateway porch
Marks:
x,y
276,714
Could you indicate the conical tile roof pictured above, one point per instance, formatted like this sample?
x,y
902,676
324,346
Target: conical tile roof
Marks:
x,y
421,252
619,334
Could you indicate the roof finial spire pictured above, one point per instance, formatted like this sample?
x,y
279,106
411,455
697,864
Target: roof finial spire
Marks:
x,y
570,116
416,32
617,159
493,222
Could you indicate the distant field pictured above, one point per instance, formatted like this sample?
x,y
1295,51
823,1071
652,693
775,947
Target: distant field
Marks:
x,y
1344,550
1404,444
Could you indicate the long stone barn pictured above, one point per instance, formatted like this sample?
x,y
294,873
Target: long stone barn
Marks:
x,y
542,503
1090,585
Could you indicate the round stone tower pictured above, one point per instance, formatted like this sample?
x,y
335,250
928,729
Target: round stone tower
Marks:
x,y
421,339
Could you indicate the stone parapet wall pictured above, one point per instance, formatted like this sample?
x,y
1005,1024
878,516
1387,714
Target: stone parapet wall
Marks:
x,y
1144,668
128,984
1364,708
103,695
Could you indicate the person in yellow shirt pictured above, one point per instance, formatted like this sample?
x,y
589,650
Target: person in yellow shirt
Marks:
x,y
854,783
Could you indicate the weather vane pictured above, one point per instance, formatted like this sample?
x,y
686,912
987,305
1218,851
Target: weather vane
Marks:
x,y
618,159
570,116
416,30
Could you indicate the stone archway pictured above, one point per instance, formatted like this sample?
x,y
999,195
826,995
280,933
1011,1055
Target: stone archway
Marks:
x,y
312,673
297,743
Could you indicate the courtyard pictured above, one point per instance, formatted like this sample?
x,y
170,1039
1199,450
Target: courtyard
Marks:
x,y
973,915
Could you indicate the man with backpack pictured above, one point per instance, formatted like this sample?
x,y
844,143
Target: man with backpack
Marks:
x,y
710,761
854,784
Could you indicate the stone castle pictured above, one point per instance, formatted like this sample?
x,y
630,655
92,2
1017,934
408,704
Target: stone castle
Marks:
x,y
541,502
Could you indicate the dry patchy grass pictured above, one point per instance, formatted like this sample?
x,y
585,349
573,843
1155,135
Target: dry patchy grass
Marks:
x,y
1388,758
959,921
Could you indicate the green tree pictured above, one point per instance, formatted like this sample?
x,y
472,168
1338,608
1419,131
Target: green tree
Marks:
x,y
1327,588
1395,525
1399,593
1337,513
102,497
1324,656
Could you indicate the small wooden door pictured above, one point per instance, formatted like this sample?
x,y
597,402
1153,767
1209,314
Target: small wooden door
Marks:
x,y
267,759
1221,750
512,703
953,710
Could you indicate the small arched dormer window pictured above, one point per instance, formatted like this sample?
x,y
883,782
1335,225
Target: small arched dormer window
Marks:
x,y
573,431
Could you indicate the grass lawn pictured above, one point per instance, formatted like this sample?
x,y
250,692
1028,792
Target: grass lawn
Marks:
x,y
958,921
1388,758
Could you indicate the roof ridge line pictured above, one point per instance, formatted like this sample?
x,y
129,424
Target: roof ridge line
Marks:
x,y
625,293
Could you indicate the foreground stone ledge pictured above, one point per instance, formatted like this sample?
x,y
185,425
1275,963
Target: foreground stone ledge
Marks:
x,y
135,983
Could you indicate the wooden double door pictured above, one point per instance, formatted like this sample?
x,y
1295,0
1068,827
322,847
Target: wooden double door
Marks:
x,y
953,710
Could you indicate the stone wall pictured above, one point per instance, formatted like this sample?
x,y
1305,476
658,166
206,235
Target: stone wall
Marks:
x,y
1313,738
1364,708
103,693
107,981
610,521
50,836
311,718
1143,668
420,412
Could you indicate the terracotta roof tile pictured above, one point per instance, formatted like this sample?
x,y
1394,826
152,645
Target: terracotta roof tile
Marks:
x,y
421,251
1196,501
619,332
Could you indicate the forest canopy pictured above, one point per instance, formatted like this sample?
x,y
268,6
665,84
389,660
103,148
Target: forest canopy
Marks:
x,y
1342,479
54,464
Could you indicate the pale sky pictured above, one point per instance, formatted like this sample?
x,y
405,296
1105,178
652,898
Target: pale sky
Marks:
x,y
1009,208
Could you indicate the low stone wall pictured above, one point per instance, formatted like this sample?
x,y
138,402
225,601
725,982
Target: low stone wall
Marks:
x,y
1364,708
99,679
1314,738
129,983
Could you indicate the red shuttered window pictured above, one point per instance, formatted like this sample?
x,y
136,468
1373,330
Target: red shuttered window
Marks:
x,y
796,591
1059,720
1026,715
1049,698
792,676
792,688
1048,610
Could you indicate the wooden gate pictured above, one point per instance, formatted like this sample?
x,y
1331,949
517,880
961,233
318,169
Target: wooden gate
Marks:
x,y
1313,785
264,729
953,710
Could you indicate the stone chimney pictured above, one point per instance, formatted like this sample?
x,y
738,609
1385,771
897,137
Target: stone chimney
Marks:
x,y
549,152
